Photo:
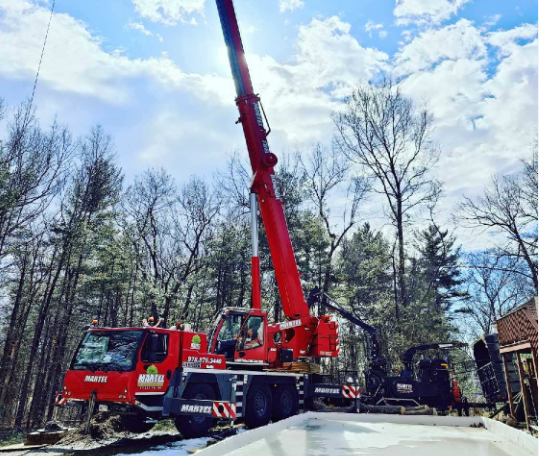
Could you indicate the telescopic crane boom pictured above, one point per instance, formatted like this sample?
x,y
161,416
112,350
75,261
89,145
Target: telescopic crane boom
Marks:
x,y
303,335
263,161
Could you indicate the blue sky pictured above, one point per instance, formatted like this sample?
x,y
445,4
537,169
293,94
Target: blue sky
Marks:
x,y
274,31
154,73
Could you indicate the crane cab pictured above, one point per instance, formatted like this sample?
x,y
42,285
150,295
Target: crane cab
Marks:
x,y
240,335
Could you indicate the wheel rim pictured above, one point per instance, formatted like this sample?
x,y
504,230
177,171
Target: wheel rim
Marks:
x,y
260,403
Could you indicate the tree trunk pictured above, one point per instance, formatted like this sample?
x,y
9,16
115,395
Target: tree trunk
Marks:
x,y
401,271
11,340
59,352
43,313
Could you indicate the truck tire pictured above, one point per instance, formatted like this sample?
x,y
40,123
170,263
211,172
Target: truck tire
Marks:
x,y
259,406
285,403
136,424
196,426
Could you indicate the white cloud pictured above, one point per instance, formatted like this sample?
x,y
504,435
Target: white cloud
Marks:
x,y
456,41
506,40
485,116
484,107
139,27
426,11
371,26
170,11
407,36
493,20
75,61
510,111
290,5
314,88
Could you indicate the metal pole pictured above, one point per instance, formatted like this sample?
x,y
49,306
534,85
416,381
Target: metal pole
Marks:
x,y
255,261
254,226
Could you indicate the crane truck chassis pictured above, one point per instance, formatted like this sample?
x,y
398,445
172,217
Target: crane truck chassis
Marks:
x,y
149,374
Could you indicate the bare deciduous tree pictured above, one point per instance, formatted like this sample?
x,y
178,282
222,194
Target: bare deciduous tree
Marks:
x,y
509,207
382,130
493,288
336,197
167,229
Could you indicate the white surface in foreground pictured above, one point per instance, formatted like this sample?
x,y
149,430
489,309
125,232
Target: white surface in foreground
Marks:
x,y
320,437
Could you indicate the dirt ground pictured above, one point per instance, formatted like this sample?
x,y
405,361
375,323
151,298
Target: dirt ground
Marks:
x,y
106,437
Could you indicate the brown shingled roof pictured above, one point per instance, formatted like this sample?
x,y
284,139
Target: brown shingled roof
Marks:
x,y
519,325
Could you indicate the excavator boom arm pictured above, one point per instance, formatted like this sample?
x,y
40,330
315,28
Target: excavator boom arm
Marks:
x,y
330,303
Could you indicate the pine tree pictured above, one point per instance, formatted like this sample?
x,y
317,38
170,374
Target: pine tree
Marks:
x,y
438,268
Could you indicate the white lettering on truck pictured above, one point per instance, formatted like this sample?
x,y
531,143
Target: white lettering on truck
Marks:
x,y
95,379
289,324
327,391
196,408
156,380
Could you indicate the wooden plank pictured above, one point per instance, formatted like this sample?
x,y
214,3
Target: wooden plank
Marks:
x,y
514,348
508,386
534,359
20,447
524,391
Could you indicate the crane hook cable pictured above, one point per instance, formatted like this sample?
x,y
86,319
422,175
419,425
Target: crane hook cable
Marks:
x,y
40,61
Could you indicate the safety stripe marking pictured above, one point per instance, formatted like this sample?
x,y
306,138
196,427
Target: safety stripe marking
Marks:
x,y
224,410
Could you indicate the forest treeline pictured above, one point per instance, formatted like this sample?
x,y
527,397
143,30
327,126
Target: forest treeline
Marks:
x,y
78,242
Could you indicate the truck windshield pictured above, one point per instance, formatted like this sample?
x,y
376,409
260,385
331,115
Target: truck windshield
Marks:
x,y
108,351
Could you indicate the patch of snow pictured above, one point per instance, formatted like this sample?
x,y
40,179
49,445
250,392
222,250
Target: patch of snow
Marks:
x,y
180,448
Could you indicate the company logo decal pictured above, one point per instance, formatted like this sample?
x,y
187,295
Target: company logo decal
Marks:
x,y
327,390
196,408
151,379
405,388
95,379
290,324
195,342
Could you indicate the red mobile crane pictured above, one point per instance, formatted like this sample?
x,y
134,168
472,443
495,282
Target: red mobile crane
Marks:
x,y
150,373
303,335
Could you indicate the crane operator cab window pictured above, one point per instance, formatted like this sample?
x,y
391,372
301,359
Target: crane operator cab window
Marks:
x,y
228,335
252,334
155,348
